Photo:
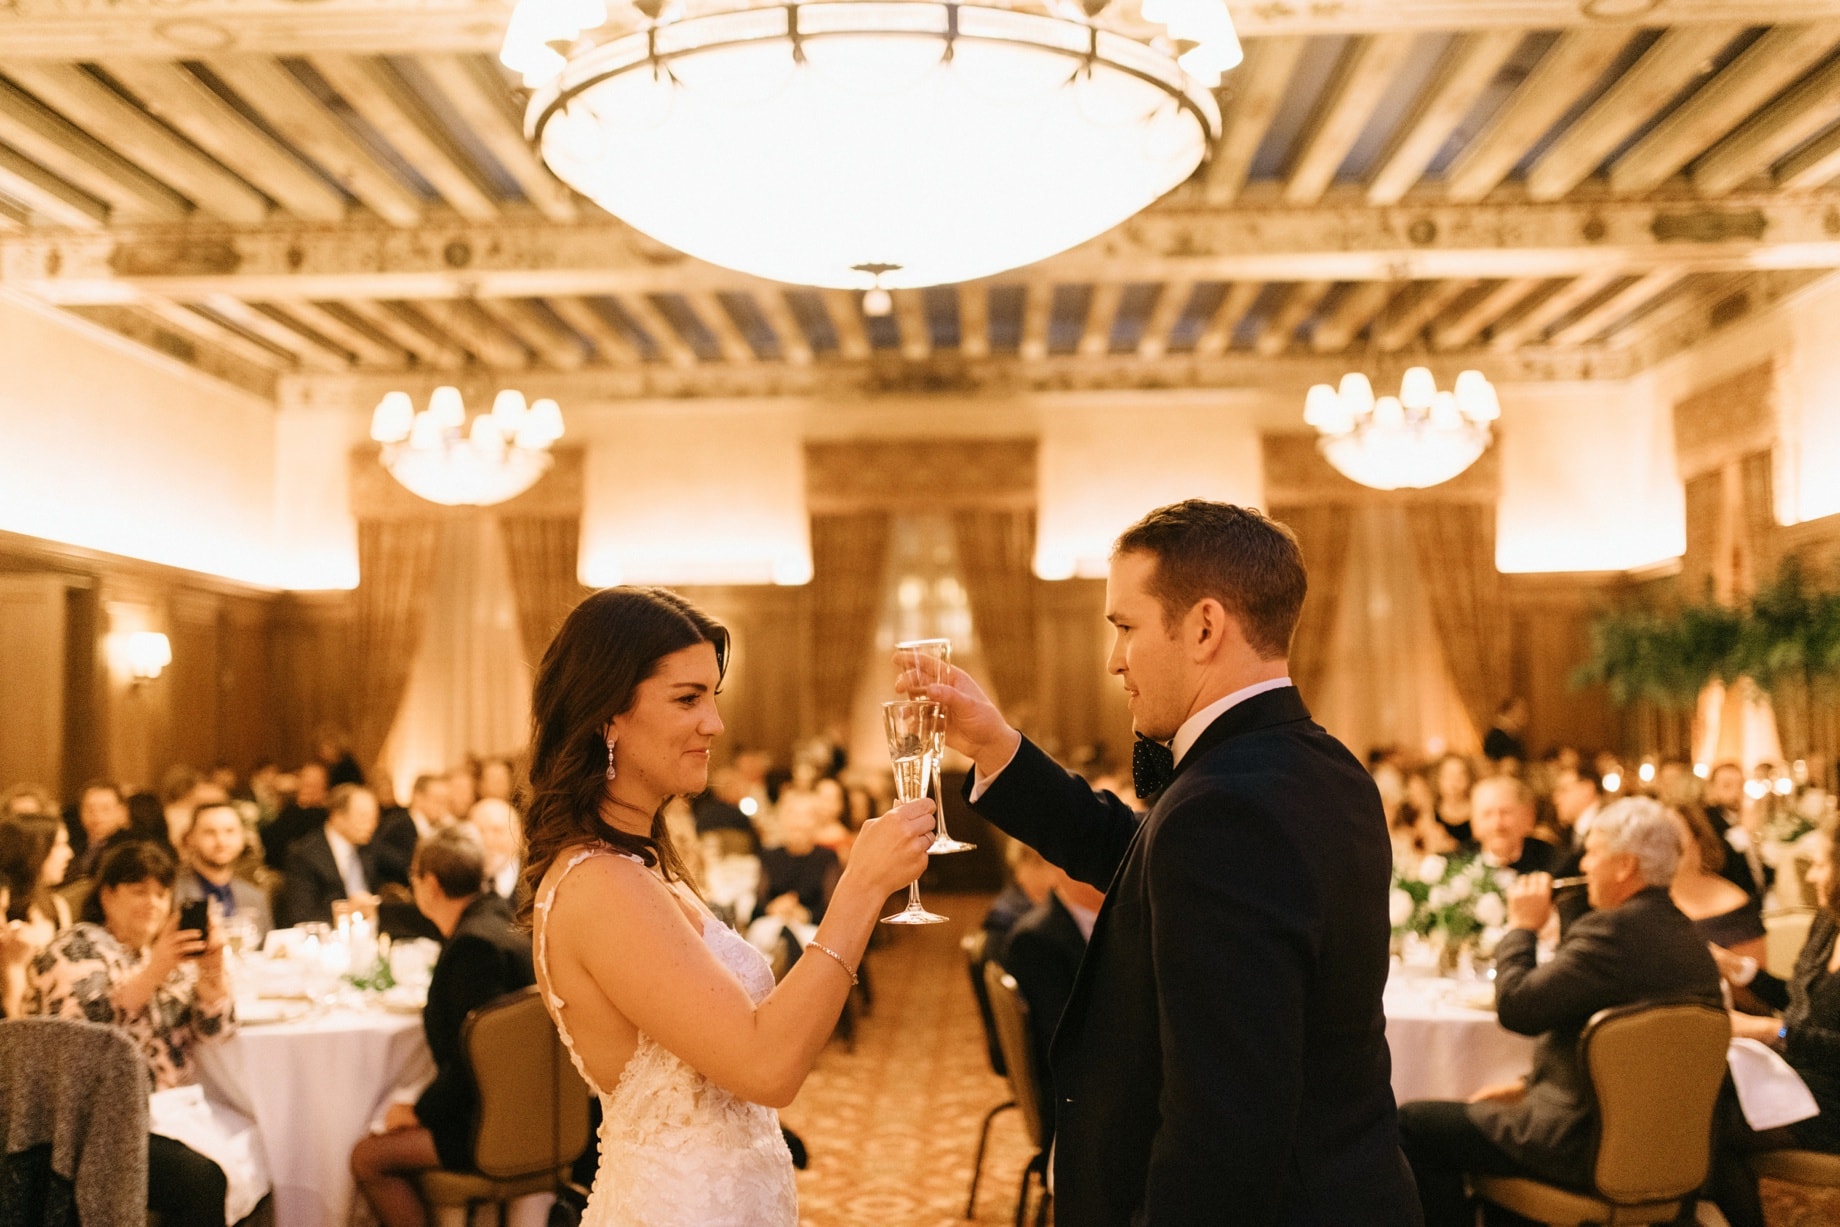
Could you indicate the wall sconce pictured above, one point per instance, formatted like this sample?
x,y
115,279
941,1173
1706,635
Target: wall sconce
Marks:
x,y
149,652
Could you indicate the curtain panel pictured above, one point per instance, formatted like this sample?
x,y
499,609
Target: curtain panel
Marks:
x,y
541,553
1455,544
996,550
395,571
1323,532
849,554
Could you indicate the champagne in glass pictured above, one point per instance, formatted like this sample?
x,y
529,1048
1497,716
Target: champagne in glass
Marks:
x,y
931,660
912,726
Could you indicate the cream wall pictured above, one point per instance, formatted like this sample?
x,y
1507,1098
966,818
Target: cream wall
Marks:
x,y
108,446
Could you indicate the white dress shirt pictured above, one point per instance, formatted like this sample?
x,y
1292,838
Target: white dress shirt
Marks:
x,y
351,869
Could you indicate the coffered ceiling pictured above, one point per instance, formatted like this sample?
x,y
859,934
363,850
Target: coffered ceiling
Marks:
x,y
272,189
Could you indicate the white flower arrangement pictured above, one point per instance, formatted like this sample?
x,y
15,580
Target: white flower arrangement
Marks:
x,y
1458,900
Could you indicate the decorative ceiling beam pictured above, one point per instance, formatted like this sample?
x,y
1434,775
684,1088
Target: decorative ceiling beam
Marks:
x,y
1756,76
910,319
399,322
1037,310
974,319
477,331
376,93
529,257
610,344
1171,299
170,93
1817,165
1101,315
1466,70
309,351
67,29
215,333
1489,307
1281,328
47,195
1549,310
1217,335
554,345
1598,319
642,311
1255,90
478,93
1803,112
794,346
1360,81
1569,68
112,119
329,321
845,310
292,110
721,325
145,328
1357,309
1426,304
1677,58
37,132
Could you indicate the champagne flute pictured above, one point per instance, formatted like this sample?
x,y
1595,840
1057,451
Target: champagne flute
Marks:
x,y
912,725
931,659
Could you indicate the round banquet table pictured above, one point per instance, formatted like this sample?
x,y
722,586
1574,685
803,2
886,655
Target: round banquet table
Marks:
x,y
313,1086
1444,1045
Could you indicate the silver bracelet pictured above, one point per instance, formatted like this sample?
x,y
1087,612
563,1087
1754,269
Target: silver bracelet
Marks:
x,y
823,949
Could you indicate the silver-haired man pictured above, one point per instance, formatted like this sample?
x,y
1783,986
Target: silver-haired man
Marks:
x,y
1633,946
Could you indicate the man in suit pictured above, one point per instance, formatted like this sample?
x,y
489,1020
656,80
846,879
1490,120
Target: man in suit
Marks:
x,y
484,957
1633,946
335,861
1745,868
1043,954
1501,820
214,846
400,830
1223,1055
303,814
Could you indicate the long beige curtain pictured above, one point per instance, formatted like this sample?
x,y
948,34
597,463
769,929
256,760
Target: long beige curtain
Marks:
x,y
996,552
395,567
1455,544
541,554
1323,531
848,556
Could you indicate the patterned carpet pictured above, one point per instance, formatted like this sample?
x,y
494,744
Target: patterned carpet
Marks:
x,y
892,1127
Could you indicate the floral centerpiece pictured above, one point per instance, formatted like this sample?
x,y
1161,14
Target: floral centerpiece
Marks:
x,y
1454,902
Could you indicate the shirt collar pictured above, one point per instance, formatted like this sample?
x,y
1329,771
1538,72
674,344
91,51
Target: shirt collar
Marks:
x,y
1197,724
342,848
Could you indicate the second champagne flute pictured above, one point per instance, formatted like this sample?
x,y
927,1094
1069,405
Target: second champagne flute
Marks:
x,y
912,724
931,659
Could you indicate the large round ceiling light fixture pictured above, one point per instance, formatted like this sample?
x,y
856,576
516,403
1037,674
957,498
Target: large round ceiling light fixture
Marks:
x,y
865,143
1421,437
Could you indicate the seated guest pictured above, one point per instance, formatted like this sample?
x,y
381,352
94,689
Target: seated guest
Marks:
x,y
1724,915
1501,817
1031,878
336,758
213,848
34,853
101,813
1577,796
333,862
1807,1035
1725,812
798,877
719,809
130,965
1043,954
304,813
147,820
498,827
1453,779
1634,947
399,831
484,957
497,781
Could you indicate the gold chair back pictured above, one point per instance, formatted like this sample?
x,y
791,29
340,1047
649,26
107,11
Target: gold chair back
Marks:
x,y
1785,935
1011,1014
1656,1072
533,1106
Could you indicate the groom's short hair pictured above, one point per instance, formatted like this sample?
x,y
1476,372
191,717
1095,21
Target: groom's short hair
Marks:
x,y
1248,562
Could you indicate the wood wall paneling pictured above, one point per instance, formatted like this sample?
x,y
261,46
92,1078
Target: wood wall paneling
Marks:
x,y
1550,636
32,641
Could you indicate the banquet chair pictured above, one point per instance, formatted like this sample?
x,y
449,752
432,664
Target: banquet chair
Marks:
x,y
1011,1013
975,946
1785,933
533,1111
1655,1071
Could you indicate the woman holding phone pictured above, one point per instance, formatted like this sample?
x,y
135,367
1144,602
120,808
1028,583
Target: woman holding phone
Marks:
x,y
129,963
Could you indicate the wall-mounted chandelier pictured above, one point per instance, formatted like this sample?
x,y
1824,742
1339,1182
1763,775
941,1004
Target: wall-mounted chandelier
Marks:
x,y
1419,438
872,143
437,455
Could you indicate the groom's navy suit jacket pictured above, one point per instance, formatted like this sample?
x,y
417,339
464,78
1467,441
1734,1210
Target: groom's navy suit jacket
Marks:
x,y
1223,1057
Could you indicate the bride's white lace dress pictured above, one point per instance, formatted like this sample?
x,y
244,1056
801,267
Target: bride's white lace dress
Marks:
x,y
676,1149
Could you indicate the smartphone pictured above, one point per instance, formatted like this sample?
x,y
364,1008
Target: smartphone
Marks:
x,y
196,916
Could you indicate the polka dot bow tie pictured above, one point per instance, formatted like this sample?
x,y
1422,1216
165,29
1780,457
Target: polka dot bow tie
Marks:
x,y
1153,765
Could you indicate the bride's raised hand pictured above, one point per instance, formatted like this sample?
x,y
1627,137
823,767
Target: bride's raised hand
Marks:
x,y
890,851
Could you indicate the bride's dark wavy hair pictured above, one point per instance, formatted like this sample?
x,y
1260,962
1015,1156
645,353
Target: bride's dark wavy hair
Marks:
x,y
608,645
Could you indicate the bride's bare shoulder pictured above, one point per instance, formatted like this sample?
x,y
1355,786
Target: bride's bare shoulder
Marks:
x,y
601,878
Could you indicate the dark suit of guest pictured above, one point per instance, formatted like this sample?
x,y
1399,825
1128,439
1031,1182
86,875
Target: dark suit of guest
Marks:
x,y
1043,955
1223,1056
1745,870
395,842
1537,856
486,957
811,876
1010,906
314,881
289,825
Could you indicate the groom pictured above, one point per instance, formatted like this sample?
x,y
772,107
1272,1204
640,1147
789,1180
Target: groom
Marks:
x,y
1223,1056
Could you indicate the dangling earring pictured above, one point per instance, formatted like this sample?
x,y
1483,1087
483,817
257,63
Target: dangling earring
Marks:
x,y
610,772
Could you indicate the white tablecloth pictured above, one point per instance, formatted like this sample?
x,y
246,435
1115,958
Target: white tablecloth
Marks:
x,y
1444,1047
313,1087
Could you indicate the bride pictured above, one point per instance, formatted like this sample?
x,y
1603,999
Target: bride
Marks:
x,y
669,1015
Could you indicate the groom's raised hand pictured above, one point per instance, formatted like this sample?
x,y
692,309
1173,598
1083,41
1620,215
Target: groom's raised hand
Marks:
x,y
974,726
